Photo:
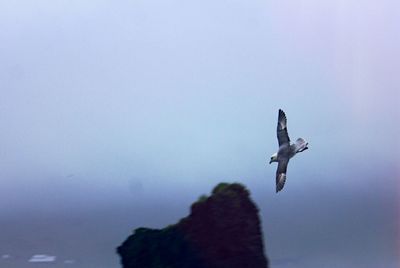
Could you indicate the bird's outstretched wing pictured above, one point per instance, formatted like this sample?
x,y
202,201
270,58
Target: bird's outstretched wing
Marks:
x,y
281,174
281,130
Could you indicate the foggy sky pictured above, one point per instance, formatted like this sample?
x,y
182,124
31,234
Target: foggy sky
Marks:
x,y
119,114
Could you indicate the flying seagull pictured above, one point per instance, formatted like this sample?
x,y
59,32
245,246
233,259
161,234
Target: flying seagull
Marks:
x,y
285,151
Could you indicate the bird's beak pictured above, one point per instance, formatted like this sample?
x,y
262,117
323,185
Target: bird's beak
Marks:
x,y
270,162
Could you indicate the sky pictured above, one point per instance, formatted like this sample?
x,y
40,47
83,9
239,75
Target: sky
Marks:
x,y
120,114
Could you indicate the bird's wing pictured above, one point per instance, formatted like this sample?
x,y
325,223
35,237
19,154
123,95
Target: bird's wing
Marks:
x,y
281,130
281,174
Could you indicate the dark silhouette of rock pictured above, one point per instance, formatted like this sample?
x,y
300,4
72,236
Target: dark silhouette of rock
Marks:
x,y
222,231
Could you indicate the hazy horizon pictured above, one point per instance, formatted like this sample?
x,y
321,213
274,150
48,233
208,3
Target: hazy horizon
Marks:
x,y
116,115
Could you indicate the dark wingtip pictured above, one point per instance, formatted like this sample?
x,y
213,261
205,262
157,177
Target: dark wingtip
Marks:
x,y
278,188
282,114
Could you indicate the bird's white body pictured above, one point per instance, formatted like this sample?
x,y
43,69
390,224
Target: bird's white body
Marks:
x,y
299,146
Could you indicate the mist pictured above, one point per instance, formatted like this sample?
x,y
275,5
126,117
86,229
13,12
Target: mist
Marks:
x,y
116,115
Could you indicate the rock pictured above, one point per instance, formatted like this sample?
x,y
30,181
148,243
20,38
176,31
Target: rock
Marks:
x,y
222,231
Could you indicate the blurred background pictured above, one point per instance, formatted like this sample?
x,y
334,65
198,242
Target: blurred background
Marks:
x,y
120,114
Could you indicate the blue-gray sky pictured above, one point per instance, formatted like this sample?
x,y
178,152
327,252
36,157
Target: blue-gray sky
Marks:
x,y
119,114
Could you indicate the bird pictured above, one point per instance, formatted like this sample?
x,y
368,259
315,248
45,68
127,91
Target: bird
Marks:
x,y
285,151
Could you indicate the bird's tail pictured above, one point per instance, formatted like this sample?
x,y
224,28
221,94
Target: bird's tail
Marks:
x,y
301,145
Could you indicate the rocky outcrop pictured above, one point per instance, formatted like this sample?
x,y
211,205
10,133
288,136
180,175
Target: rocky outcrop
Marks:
x,y
222,231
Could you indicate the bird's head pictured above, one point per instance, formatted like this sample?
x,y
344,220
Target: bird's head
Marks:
x,y
274,158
